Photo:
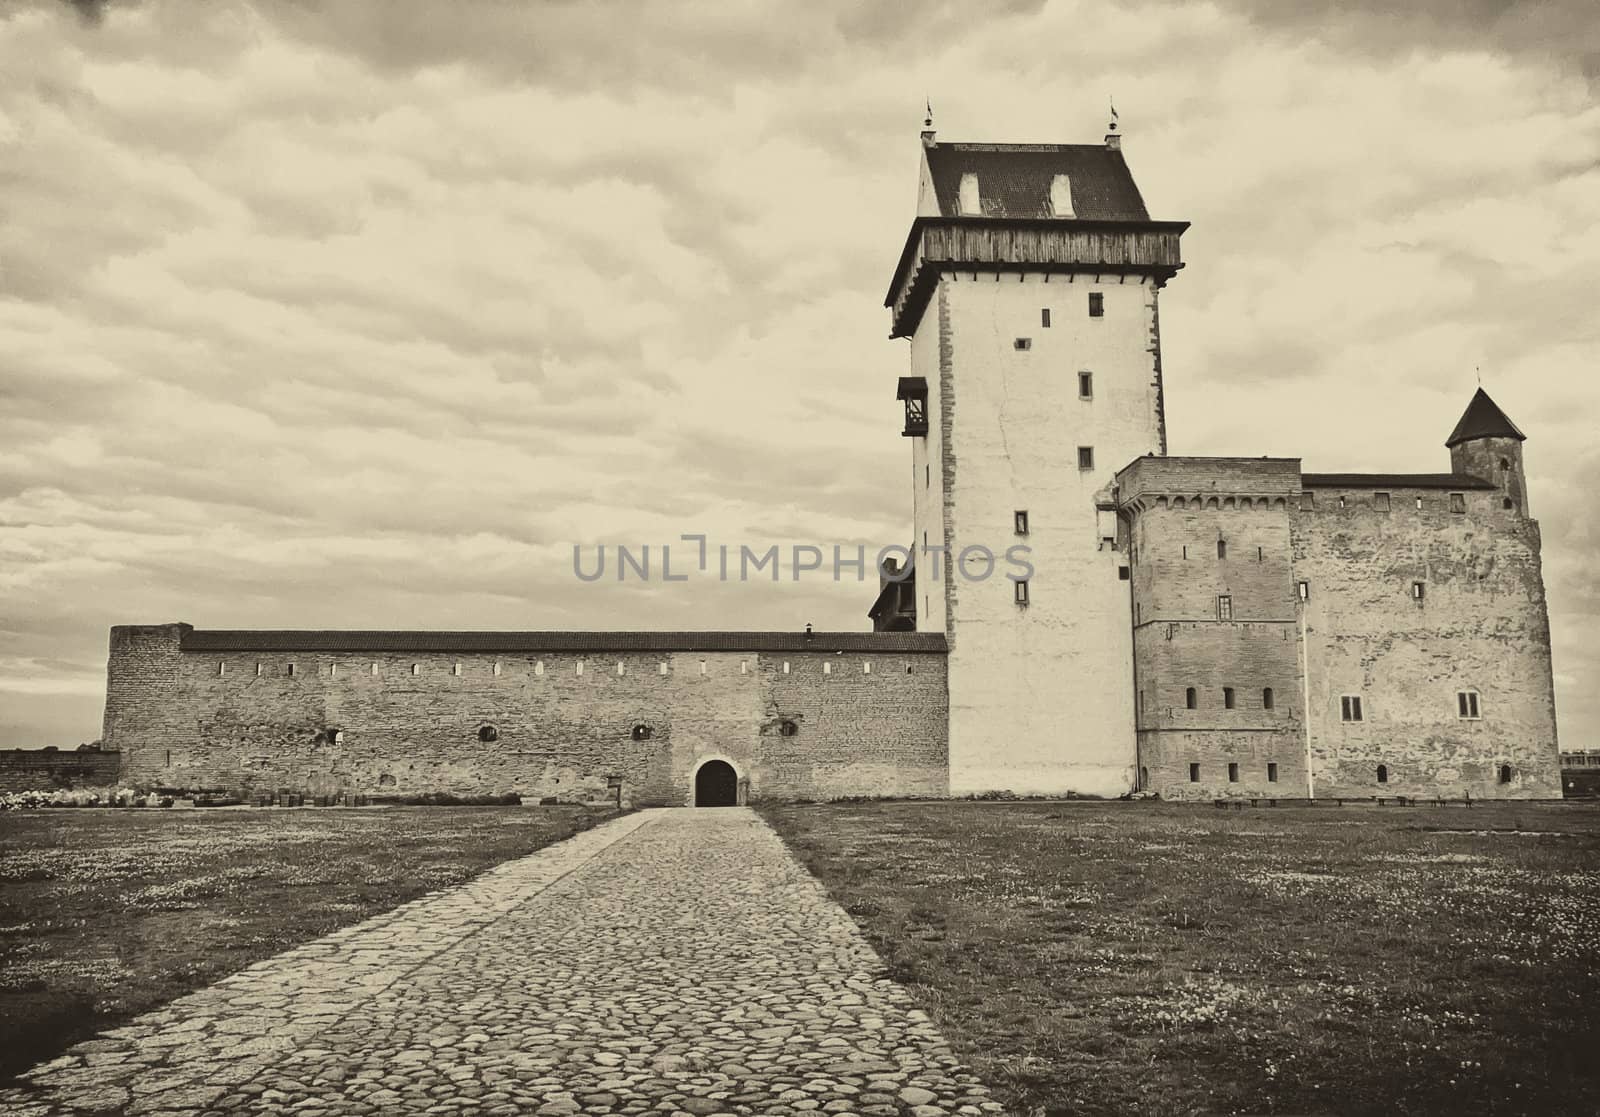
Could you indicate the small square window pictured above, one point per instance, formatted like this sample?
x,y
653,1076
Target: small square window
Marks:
x,y
1097,304
1380,501
1458,502
1020,520
1233,772
1467,705
1224,607
1044,317
1086,385
1021,592
1272,771
1194,773
1122,573
1022,343
1350,707
1085,457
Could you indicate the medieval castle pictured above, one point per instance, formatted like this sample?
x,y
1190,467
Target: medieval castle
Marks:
x,y
1196,627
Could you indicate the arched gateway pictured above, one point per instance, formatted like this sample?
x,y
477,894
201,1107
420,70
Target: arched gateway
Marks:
x,y
716,785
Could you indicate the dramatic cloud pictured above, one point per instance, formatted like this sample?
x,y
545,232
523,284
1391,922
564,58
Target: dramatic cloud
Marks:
x,y
364,314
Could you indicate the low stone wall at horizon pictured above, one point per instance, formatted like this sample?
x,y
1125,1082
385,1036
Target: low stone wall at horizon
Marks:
x,y
41,770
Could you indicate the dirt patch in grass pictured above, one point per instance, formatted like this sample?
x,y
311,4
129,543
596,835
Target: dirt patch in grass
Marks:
x,y
105,914
1162,959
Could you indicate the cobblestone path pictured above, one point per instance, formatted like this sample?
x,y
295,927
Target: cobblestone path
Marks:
x,y
670,962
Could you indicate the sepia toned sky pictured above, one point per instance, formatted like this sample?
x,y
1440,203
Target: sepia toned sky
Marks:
x,y
362,314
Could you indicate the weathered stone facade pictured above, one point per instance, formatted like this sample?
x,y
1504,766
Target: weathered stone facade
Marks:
x,y
541,714
1398,622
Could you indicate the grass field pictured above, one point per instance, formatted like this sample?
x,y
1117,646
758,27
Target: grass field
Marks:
x,y
108,913
1164,959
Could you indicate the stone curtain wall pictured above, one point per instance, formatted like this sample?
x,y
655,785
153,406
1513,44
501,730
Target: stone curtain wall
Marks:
x,y
201,719
37,770
1481,625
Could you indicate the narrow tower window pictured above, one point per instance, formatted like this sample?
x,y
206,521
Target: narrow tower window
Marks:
x,y
1266,698
1467,704
1224,607
1350,707
1097,304
1304,590
1194,773
1085,457
1505,773
1383,773
1191,699
1044,317
1227,698
1020,519
1417,590
1222,548
1272,772
1086,385
1021,592
1233,772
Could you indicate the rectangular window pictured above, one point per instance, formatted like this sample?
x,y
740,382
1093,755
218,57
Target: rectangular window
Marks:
x,y
1021,592
1020,521
1191,698
1122,573
1222,548
1266,698
1194,773
1022,343
579,671
1419,504
1224,607
1417,590
1227,698
538,667
661,668
1233,772
1085,457
1086,385
374,670
1044,317
1467,704
1304,590
1186,551
496,669
455,669
1097,304
1380,501
291,669
260,669
1261,554
1458,502
416,668
827,668
1350,707
866,667
332,667
222,667
1308,501
621,669
1272,771
702,667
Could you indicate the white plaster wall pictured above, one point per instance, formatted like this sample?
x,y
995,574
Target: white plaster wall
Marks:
x,y
1041,697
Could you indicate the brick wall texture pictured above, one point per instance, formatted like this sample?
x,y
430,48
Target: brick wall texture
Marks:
x,y
407,722
37,770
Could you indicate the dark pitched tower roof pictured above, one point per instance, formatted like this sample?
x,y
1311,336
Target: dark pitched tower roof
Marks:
x,y
1484,419
1014,180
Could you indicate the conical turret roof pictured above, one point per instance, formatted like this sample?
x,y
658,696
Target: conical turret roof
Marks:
x,y
1484,419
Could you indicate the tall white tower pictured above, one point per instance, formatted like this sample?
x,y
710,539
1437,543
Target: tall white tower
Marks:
x,y
1028,287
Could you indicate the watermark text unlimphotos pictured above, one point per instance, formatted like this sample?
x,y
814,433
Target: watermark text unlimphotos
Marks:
x,y
729,562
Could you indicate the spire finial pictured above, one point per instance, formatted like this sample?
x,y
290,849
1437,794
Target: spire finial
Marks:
x,y
928,122
1113,139
1113,102
927,126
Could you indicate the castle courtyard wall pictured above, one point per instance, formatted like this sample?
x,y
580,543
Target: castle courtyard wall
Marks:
x,y
869,721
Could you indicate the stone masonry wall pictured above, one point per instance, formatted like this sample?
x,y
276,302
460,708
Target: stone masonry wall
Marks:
x,y
399,723
1480,625
38,770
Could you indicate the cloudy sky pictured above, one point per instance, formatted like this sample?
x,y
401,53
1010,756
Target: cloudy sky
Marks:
x,y
361,314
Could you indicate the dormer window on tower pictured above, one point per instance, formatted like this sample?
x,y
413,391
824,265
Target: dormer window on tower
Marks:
x,y
967,197
913,393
